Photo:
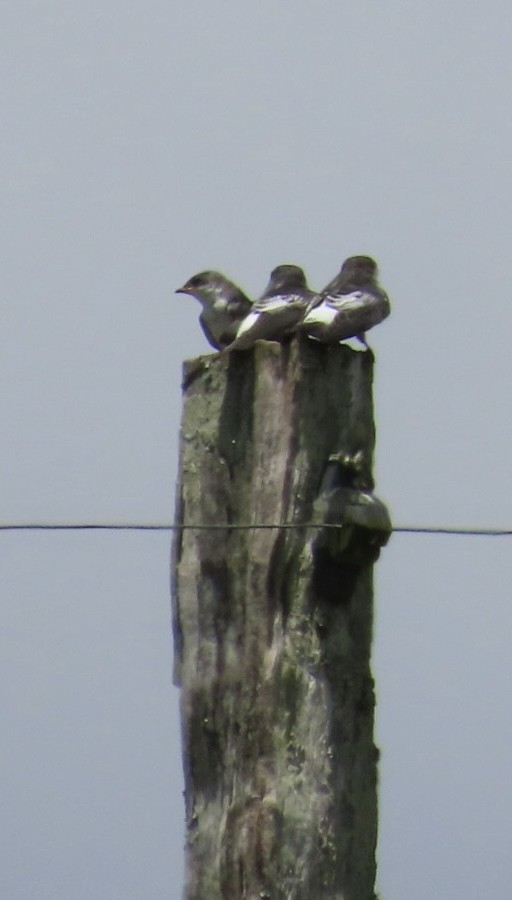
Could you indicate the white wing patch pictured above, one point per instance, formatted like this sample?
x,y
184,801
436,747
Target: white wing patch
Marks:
x,y
347,302
248,323
322,314
278,303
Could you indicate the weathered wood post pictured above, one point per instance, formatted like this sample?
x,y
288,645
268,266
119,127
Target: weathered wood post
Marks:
x,y
273,627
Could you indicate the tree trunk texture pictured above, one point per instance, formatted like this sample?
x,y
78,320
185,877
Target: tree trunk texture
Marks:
x,y
273,628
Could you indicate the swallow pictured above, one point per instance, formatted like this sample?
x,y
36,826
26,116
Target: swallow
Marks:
x,y
224,306
346,498
278,311
351,304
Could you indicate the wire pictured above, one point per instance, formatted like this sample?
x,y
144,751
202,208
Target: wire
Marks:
x,y
473,532
257,526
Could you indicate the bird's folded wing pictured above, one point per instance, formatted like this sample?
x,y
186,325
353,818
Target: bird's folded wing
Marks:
x,y
278,303
347,302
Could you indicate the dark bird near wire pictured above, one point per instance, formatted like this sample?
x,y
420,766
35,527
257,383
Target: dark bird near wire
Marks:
x,y
275,316
346,497
351,304
224,306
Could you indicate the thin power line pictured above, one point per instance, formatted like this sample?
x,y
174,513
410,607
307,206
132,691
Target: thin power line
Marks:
x,y
253,526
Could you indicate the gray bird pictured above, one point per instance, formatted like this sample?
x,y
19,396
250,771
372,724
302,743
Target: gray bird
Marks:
x,y
279,310
351,304
224,306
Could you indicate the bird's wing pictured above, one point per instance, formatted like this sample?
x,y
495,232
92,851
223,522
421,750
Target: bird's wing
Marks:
x,y
248,323
271,318
238,307
278,302
208,334
346,302
321,313
314,300
359,310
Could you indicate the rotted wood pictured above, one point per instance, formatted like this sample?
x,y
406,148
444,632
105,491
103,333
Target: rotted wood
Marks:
x,y
273,628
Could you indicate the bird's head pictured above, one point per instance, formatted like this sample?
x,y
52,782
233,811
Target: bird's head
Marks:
x,y
200,284
359,270
208,286
286,278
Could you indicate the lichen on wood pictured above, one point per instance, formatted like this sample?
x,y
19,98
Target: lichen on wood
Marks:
x,y
273,628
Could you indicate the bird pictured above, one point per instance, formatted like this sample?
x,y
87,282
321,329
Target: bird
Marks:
x,y
346,498
224,306
278,311
351,304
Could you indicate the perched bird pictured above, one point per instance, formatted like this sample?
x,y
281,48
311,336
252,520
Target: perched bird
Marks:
x,y
351,304
346,498
224,306
278,311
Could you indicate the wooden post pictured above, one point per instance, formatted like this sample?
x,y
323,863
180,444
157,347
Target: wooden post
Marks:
x,y
273,628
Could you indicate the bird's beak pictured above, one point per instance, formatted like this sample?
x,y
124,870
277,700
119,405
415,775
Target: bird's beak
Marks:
x,y
182,290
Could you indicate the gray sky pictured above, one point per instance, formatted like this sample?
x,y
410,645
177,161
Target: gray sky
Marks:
x,y
142,143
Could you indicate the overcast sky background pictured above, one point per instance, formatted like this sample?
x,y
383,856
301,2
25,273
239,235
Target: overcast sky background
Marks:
x,y
141,143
